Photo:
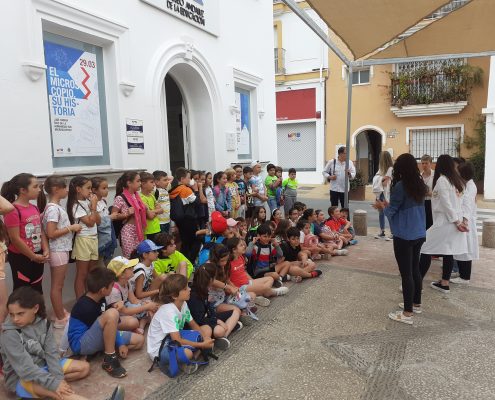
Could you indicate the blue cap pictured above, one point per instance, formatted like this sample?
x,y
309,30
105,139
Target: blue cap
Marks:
x,y
146,246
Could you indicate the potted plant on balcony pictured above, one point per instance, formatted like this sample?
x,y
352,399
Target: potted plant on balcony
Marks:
x,y
357,188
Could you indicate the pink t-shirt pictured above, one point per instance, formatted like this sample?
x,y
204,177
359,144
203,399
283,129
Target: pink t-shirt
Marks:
x,y
28,220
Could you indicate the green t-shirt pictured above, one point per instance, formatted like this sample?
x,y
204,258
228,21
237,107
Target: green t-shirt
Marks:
x,y
290,184
268,181
171,264
152,225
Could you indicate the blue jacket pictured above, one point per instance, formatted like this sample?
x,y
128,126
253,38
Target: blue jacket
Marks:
x,y
407,217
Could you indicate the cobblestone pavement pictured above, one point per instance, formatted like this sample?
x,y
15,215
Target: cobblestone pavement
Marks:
x,y
330,338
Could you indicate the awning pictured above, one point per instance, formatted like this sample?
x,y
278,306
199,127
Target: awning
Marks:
x,y
365,26
469,29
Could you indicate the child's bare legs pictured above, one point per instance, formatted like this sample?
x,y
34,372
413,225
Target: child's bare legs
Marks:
x,y
296,269
77,370
109,321
143,322
262,286
128,323
57,285
226,307
223,329
282,268
42,392
135,343
82,270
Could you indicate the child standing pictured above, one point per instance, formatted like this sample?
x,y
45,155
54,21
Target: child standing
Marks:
x,y
152,208
242,189
107,242
210,198
28,248
5,207
170,260
145,282
289,187
81,208
170,319
133,313
59,231
272,182
279,195
235,197
93,328
130,209
223,199
32,367
162,183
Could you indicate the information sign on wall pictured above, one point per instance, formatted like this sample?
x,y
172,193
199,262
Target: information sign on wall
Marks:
x,y
72,82
135,136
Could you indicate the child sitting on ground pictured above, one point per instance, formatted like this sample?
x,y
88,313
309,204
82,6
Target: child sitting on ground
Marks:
x,y
92,330
328,237
242,227
133,313
170,260
301,267
172,317
32,367
203,311
266,257
145,281
293,216
338,224
309,242
345,213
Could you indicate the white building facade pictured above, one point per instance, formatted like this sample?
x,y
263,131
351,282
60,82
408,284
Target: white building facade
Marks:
x,y
489,111
301,67
100,86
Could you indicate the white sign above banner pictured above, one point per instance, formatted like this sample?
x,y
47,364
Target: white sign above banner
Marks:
x,y
202,14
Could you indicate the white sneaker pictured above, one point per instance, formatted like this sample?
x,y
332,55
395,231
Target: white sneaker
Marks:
x,y
460,281
416,310
261,301
400,317
389,238
455,275
342,252
281,290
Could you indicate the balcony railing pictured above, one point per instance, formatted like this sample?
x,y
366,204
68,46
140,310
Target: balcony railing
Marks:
x,y
279,55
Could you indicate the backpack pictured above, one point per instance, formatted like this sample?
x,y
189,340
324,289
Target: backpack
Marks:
x,y
204,253
253,261
119,224
179,211
377,186
332,170
216,192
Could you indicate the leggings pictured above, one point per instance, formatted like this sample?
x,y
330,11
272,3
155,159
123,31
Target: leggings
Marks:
x,y
447,265
407,256
26,272
465,269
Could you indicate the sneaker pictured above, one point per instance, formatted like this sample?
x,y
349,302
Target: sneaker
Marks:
x,y
238,326
438,286
455,275
353,242
316,273
416,310
296,279
389,238
189,368
460,281
342,252
281,290
261,301
118,393
277,283
380,235
222,343
111,364
285,278
246,320
400,317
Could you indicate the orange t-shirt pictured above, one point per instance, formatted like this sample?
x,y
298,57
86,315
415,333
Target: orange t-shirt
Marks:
x,y
238,274
336,224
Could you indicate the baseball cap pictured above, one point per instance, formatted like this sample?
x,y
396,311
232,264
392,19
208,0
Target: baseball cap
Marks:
x,y
146,246
232,222
218,222
253,163
120,264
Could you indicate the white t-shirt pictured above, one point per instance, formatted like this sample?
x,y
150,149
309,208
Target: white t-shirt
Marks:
x,y
168,319
141,269
55,213
81,209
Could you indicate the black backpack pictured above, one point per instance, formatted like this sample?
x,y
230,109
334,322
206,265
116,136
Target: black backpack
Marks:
x,y
119,224
179,211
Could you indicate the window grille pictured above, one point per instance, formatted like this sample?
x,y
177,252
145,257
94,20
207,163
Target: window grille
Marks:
x,y
435,141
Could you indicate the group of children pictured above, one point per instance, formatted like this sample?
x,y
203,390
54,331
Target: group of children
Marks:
x,y
243,259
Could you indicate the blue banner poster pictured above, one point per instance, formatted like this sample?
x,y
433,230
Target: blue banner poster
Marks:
x,y
243,122
72,82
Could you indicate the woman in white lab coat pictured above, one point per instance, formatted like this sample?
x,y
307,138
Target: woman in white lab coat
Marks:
x,y
469,218
447,236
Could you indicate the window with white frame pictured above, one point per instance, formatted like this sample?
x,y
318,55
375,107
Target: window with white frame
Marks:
x,y
435,141
361,76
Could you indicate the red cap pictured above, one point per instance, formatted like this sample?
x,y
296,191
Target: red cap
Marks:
x,y
218,223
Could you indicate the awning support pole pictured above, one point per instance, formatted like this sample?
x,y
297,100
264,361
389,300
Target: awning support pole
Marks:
x,y
348,134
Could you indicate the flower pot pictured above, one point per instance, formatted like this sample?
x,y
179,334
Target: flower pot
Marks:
x,y
358,193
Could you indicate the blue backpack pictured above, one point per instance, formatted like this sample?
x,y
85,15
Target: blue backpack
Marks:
x,y
204,253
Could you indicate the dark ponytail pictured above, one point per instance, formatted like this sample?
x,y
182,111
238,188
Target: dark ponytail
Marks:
x,y
52,182
11,189
77,181
121,184
202,279
27,297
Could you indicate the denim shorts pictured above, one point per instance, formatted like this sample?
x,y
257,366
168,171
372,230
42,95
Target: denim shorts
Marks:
x,y
92,340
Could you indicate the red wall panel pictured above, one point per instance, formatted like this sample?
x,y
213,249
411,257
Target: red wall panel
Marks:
x,y
296,104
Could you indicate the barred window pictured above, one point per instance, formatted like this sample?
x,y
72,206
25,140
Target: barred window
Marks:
x,y
435,141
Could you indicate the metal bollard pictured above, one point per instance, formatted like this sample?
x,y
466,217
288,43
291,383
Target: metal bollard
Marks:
x,y
360,222
488,236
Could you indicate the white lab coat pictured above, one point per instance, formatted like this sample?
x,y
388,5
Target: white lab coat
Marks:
x,y
443,237
469,210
